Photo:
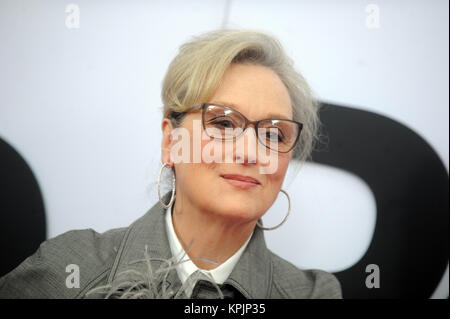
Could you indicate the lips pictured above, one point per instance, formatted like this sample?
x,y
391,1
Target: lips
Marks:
x,y
241,180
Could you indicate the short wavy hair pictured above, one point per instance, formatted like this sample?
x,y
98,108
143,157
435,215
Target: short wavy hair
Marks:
x,y
196,71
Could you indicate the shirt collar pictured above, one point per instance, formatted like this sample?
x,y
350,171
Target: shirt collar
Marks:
x,y
187,267
252,274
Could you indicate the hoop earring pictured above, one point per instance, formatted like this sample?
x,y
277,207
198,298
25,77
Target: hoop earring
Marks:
x,y
285,217
173,187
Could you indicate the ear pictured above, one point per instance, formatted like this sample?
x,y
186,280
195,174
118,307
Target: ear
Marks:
x,y
167,141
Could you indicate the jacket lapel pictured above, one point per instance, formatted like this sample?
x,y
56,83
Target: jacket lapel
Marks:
x,y
252,275
148,231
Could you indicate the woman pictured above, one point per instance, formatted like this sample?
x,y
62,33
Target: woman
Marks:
x,y
239,113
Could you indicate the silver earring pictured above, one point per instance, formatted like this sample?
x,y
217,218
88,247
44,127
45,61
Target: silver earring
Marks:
x,y
285,217
173,187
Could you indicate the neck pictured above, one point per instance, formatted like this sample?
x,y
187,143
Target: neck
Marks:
x,y
214,237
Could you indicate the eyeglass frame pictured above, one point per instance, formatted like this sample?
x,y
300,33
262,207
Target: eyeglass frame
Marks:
x,y
203,106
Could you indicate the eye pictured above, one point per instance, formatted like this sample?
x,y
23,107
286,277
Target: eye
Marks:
x,y
274,136
222,122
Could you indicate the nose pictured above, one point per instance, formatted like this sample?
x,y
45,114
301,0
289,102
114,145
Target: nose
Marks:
x,y
245,148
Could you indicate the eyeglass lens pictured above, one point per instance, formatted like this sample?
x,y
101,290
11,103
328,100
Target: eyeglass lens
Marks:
x,y
225,123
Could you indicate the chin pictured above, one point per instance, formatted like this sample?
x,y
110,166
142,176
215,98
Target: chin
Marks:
x,y
236,209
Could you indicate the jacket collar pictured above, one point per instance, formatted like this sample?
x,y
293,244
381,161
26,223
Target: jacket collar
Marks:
x,y
252,275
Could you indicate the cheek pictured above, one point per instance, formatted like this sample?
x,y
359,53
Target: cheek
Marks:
x,y
275,180
194,173
198,172
283,163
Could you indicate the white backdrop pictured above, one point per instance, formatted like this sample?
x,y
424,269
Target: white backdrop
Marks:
x,y
82,105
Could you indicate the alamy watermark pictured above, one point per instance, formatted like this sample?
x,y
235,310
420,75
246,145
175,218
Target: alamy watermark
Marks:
x,y
373,16
373,279
73,18
220,148
73,279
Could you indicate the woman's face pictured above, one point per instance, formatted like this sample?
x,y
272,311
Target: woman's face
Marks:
x,y
258,93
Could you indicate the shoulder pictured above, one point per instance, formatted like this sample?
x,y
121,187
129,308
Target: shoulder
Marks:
x,y
64,266
291,282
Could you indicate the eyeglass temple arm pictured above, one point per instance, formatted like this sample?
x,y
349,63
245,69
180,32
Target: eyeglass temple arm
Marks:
x,y
175,113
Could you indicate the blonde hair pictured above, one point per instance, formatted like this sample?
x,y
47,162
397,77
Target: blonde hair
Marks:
x,y
195,73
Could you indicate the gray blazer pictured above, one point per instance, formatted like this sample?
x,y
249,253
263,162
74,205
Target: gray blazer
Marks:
x,y
259,273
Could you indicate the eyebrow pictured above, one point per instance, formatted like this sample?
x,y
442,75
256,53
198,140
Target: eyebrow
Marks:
x,y
270,114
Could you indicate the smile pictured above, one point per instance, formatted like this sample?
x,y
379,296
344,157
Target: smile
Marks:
x,y
241,181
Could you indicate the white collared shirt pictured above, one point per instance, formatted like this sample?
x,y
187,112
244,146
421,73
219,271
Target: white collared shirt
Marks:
x,y
187,268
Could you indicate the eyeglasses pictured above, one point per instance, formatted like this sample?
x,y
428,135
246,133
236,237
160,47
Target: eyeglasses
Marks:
x,y
224,123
